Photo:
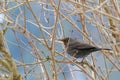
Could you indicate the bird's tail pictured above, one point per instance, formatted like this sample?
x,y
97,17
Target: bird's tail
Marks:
x,y
103,49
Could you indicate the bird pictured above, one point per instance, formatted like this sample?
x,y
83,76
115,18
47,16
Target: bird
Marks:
x,y
79,49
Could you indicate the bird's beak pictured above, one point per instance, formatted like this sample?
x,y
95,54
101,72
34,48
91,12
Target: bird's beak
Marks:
x,y
61,40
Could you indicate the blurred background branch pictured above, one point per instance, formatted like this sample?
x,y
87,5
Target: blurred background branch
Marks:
x,y
29,46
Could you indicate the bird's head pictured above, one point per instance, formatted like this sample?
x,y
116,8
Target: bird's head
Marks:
x,y
66,40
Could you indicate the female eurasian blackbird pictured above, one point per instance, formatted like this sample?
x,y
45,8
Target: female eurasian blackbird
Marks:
x,y
79,49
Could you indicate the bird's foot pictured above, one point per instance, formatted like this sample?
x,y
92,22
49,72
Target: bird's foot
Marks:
x,y
74,60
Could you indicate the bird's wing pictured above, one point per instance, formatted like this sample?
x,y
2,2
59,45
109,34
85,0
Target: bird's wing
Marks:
x,y
80,45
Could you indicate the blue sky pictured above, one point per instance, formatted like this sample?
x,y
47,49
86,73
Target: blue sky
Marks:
x,y
49,22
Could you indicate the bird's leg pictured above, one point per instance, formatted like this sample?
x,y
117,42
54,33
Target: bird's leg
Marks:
x,y
83,60
74,60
